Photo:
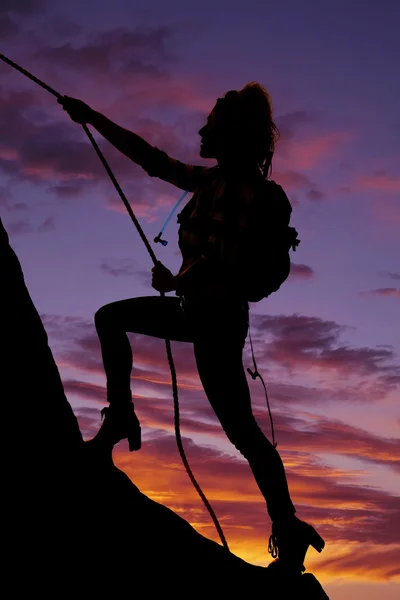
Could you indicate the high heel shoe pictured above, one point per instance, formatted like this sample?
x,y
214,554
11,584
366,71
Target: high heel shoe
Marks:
x,y
120,422
288,544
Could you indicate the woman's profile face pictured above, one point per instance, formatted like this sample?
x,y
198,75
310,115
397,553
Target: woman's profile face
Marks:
x,y
218,136
214,133
208,134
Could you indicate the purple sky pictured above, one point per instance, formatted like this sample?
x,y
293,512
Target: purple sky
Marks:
x,y
328,342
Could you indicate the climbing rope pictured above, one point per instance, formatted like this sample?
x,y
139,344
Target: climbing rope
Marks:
x,y
254,374
154,259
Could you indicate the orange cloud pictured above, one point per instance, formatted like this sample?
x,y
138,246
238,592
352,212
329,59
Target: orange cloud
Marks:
x,y
346,515
364,561
300,438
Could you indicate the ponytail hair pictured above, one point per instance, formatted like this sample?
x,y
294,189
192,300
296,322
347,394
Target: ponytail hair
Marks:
x,y
254,131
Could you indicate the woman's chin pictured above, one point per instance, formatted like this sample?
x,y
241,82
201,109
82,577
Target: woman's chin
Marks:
x,y
204,153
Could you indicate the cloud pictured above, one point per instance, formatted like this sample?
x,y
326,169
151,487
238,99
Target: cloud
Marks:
x,y
8,28
292,179
300,271
344,514
64,27
391,275
316,195
289,123
380,563
300,437
136,61
116,50
344,510
39,150
56,154
4,197
23,226
6,201
309,153
380,181
312,343
22,7
76,346
296,345
47,224
19,227
66,191
125,267
387,292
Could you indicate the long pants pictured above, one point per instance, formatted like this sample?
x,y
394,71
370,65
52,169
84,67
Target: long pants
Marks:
x,y
218,330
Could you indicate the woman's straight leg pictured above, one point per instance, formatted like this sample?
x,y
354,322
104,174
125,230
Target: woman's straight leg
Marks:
x,y
224,380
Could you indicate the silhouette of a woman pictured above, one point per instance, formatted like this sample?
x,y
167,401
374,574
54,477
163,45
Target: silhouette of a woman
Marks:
x,y
209,308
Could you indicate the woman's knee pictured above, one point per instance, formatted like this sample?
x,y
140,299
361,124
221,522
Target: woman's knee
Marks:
x,y
245,435
104,316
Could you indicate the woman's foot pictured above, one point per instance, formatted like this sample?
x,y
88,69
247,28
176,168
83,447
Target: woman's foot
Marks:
x,y
289,543
120,422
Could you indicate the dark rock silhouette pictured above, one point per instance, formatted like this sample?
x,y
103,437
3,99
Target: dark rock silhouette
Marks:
x,y
73,522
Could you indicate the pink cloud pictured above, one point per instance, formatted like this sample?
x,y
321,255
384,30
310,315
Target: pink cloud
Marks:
x,y
311,343
55,154
386,209
295,434
390,292
309,153
379,181
299,271
136,61
287,342
292,179
8,153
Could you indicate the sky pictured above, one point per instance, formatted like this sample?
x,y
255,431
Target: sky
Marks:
x,y
326,344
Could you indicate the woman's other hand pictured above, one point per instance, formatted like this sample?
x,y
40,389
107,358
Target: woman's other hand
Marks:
x,y
162,280
76,109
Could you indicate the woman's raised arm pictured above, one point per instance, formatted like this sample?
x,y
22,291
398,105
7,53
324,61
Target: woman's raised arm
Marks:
x,y
154,161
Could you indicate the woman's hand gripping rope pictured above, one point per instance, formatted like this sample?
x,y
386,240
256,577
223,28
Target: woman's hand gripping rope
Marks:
x,y
76,109
162,279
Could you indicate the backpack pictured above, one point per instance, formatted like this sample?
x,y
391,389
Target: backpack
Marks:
x,y
265,261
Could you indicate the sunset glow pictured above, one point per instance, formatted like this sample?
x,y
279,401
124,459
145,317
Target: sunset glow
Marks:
x,y
327,344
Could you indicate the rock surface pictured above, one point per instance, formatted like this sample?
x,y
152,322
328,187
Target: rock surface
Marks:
x,y
73,522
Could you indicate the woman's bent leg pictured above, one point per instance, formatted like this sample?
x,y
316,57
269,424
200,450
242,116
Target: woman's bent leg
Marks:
x,y
156,316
